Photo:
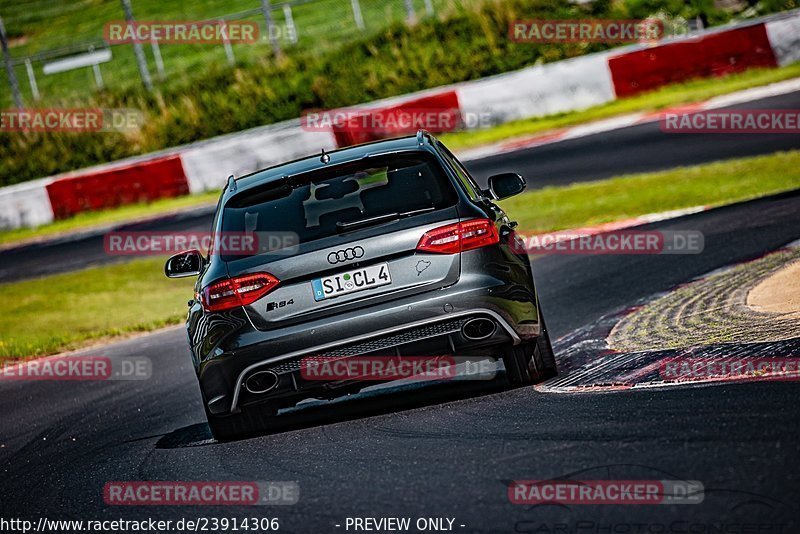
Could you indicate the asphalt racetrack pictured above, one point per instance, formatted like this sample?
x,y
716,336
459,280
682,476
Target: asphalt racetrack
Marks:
x,y
634,149
440,450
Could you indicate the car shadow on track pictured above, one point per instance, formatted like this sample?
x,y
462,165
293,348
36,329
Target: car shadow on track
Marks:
x,y
365,404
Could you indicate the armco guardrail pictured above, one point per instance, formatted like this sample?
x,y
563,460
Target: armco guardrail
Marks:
x,y
536,91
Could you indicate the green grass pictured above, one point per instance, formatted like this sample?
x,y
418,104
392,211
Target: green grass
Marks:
x,y
65,311
93,219
582,204
672,95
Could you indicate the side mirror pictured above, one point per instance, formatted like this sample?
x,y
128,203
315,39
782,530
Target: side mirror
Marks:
x,y
185,264
506,185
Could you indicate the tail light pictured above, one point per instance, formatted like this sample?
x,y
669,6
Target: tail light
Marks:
x,y
459,237
238,291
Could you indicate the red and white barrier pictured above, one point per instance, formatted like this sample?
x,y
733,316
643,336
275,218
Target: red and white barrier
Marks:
x,y
536,91
570,85
712,54
784,39
384,120
209,163
144,181
25,205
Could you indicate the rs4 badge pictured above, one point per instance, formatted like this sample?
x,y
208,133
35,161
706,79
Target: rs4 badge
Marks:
x,y
280,304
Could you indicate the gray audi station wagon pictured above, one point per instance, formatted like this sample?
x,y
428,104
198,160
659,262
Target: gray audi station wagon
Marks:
x,y
383,249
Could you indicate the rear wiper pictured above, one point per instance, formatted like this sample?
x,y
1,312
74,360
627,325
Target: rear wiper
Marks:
x,y
371,221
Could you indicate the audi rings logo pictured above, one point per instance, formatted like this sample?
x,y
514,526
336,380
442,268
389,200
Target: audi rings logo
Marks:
x,y
348,254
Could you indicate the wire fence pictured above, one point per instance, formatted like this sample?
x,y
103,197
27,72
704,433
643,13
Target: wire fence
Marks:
x,y
82,61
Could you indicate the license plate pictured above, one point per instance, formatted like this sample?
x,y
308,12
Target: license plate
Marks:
x,y
351,281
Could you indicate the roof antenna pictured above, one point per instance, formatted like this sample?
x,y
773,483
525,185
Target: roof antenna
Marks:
x,y
324,158
231,184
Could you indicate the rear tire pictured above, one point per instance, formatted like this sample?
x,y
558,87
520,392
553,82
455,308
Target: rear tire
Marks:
x,y
532,361
545,349
249,421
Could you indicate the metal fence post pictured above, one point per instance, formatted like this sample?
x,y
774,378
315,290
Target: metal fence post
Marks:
x,y
12,76
357,14
157,57
32,78
410,15
266,7
291,29
98,77
137,48
226,43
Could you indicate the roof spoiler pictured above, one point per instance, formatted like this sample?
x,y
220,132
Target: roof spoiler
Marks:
x,y
231,185
421,135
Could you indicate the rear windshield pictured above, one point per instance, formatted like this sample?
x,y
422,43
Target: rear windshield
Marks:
x,y
310,205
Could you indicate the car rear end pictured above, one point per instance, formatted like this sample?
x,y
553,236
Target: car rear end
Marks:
x,y
383,255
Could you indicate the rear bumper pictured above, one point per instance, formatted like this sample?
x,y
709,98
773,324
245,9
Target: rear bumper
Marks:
x,y
438,336
423,322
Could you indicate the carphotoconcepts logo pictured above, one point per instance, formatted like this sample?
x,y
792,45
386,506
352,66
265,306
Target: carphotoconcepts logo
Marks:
x,y
181,32
585,31
78,368
74,120
183,493
709,369
613,242
593,492
222,243
388,368
394,121
589,525
745,121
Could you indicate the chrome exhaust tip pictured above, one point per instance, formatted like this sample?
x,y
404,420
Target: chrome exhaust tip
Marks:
x,y
478,329
261,382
